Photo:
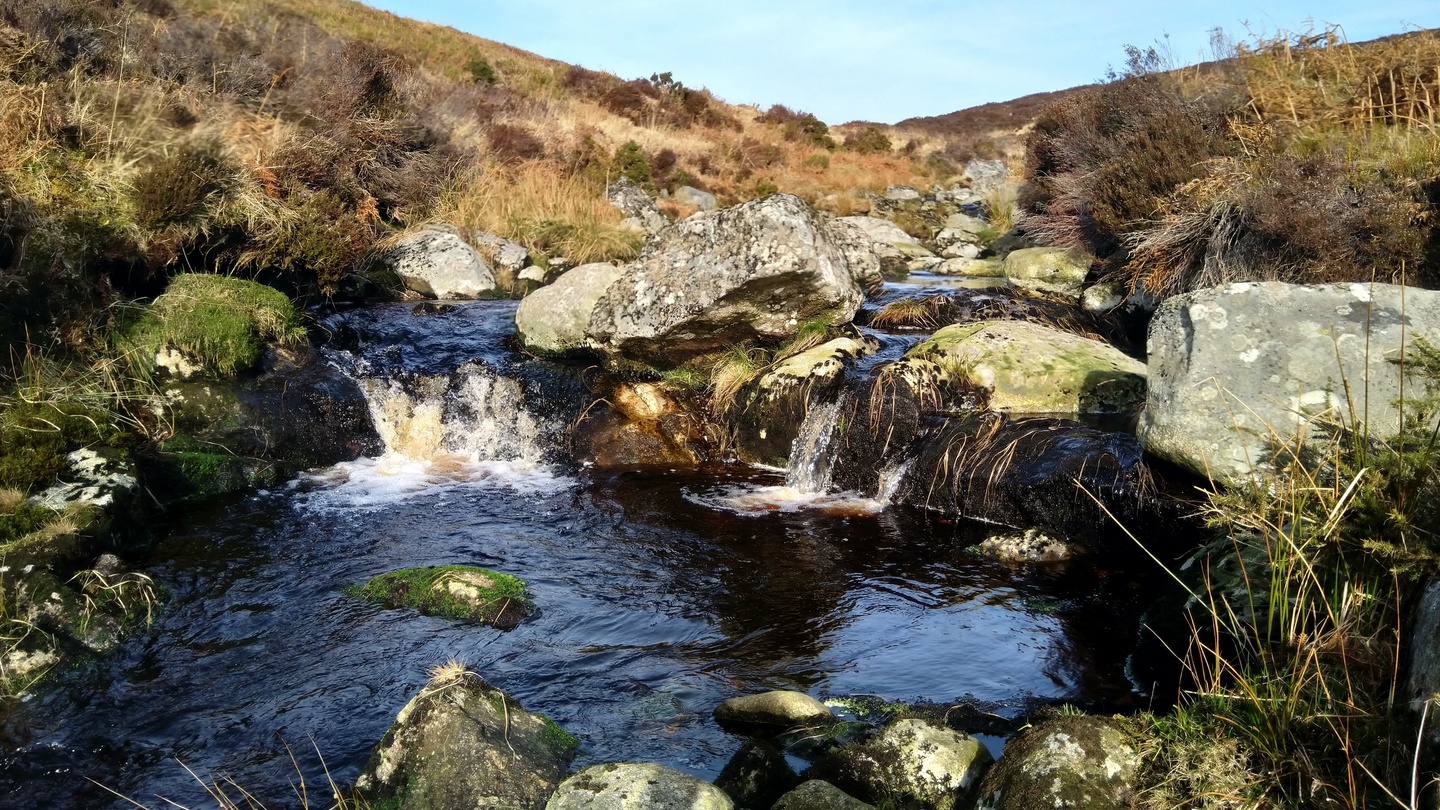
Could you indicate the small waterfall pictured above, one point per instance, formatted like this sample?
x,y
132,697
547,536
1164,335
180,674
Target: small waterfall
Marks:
x,y
474,414
809,470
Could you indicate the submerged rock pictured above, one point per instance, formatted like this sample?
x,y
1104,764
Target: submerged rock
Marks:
x,y
461,744
1240,372
757,775
455,592
1031,545
641,425
636,786
1081,762
1059,271
818,794
1027,368
912,763
435,262
776,711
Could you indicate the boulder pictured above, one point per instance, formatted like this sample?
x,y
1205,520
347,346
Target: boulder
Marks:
x,y
556,319
1103,297
901,194
1424,679
757,775
695,198
971,268
636,786
641,212
985,175
769,410
756,271
508,258
818,794
1081,762
102,480
777,711
642,425
1240,372
875,247
1031,545
1059,271
435,262
958,249
1027,368
912,763
461,744
453,592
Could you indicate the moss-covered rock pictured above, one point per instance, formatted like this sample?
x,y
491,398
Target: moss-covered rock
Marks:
x,y
818,794
461,744
757,775
637,786
769,410
775,711
1028,368
1058,271
912,763
214,323
1068,762
453,591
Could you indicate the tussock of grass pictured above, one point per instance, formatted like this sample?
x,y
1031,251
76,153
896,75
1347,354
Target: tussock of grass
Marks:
x,y
544,209
220,322
452,591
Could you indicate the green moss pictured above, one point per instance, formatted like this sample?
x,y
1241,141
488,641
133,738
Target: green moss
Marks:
x,y
35,439
221,322
452,591
560,741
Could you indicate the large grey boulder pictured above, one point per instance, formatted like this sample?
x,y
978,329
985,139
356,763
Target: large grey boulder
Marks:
x,y
875,248
509,258
913,763
1024,367
756,271
986,174
1079,762
641,213
556,319
435,262
1239,372
636,786
461,744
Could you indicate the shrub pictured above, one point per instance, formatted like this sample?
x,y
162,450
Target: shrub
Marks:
x,y
869,141
481,71
321,240
514,142
630,162
218,321
179,188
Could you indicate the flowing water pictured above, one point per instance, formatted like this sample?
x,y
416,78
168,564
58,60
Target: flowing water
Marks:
x,y
657,602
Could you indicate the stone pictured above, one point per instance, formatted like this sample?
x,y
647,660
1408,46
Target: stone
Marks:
x,y
985,175
435,262
461,744
1240,372
778,710
637,207
1423,683
875,248
753,272
509,258
93,479
1103,297
636,786
971,268
533,273
769,410
757,776
556,319
913,763
901,194
960,250
695,198
642,425
1081,762
1059,271
1008,242
1028,368
176,364
818,794
1031,545
962,226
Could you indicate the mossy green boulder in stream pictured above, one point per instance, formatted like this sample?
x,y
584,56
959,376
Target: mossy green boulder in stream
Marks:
x,y
453,591
1029,368
461,744
213,324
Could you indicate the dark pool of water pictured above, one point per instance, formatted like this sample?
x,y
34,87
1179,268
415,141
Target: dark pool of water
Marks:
x,y
654,608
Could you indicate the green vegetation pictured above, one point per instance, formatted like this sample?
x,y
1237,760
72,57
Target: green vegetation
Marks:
x,y
1305,159
559,740
1298,613
219,322
869,141
630,162
452,591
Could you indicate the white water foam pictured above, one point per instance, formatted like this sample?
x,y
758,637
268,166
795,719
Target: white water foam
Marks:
x,y
754,501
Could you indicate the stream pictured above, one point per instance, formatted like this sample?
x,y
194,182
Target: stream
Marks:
x,y
660,595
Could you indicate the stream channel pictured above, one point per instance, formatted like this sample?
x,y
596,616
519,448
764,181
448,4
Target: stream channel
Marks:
x,y
660,595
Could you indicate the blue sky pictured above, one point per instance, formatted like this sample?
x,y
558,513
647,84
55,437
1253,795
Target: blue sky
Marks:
x,y
860,59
